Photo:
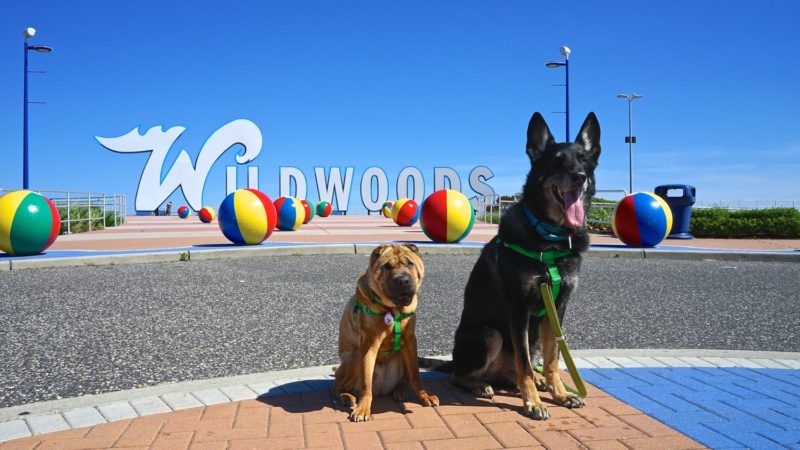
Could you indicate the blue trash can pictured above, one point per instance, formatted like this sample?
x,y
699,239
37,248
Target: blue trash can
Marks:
x,y
681,207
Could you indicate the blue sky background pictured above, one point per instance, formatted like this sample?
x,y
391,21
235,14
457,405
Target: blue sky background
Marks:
x,y
395,84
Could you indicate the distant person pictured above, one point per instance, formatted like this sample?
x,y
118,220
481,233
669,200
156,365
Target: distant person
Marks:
x,y
169,209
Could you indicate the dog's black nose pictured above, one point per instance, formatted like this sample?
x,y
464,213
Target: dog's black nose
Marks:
x,y
579,178
402,281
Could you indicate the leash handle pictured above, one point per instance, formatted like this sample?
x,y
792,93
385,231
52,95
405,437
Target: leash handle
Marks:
x,y
552,315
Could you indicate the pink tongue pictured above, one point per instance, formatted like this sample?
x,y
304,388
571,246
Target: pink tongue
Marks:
x,y
573,208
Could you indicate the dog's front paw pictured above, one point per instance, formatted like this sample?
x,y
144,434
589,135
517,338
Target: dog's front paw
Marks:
x,y
361,413
536,412
428,399
572,401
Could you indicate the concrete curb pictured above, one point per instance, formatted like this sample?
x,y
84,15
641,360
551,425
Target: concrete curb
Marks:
x,y
55,415
366,248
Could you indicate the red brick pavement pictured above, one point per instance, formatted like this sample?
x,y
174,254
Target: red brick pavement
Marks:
x,y
309,420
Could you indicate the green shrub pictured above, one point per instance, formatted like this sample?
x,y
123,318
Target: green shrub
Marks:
x,y
722,223
82,214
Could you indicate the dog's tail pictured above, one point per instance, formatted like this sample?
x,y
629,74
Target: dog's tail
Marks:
x,y
435,364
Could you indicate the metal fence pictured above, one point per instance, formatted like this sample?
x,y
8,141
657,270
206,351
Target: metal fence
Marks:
x,y
85,211
490,208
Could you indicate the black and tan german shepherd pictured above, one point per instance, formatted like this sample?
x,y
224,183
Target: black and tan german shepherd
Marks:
x,y
502,319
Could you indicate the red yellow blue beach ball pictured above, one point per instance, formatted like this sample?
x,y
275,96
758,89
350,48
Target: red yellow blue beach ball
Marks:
x,y
184,212
247,217
324,209
29,223
206,214
447,216
308,210
405,212
387,209
642,219
290,213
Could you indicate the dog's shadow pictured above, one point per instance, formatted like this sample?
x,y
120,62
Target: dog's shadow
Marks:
x,y
315,396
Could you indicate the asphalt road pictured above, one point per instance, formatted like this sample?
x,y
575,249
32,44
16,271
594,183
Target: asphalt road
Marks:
x,y
72,331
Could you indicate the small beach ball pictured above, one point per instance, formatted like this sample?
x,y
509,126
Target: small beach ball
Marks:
x,y
308,210
207,214
290,213
324,209
184,212
641,219
447,216
29,223
405,212
387,209
247,217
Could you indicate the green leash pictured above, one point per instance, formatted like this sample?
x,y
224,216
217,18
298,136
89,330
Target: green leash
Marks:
x,y
549,296
388,318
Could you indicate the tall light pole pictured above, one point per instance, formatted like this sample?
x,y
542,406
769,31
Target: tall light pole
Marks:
x,y
565,51
630,139
27,34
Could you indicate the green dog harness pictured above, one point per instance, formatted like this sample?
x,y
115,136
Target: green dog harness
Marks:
x,y
388,318
550,290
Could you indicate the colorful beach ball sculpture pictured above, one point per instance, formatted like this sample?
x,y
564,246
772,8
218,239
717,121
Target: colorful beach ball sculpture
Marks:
x,y
184,212
308,210
207,214
324,209
405,212
247,217
447,216
642,219
387,209
29,223
290,213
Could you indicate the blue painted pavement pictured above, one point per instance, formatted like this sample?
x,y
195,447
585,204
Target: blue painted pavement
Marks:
x,y
722,408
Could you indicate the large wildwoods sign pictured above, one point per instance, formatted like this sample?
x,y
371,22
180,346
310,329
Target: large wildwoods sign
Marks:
x,y
333,184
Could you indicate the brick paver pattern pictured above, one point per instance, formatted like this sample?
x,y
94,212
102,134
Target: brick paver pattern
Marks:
x,y
310,420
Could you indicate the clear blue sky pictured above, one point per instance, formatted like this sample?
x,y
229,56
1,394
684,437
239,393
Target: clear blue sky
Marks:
x,y
424,84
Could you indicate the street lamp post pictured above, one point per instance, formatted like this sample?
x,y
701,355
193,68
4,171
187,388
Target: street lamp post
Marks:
x,y
630,139
565,51
27,34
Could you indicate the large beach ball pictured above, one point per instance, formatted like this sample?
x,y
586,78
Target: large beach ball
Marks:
x,y
290,213
324,209
447,216
206,214
29,223
308,210
184,212
642,219
387,209
405,212
247,217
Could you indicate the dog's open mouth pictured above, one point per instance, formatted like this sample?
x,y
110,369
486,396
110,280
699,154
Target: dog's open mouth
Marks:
x,y
572,203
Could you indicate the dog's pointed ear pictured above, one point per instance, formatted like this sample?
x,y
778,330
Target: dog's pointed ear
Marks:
x,y
589,136
539,137
412,247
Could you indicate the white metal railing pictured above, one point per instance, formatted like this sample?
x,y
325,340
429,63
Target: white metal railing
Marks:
x,y
71,206
490,208
734,204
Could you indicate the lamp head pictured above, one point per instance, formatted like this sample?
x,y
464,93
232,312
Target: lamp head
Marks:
x,y
29,33
565,51
553,64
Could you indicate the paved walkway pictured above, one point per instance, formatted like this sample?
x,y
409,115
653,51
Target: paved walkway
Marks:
x,y
637,399
149,232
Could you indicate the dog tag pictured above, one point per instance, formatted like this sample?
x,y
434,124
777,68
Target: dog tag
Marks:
x,y
388,318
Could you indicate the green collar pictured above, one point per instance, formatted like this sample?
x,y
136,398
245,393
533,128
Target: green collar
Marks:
x,y
549,259
388,318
